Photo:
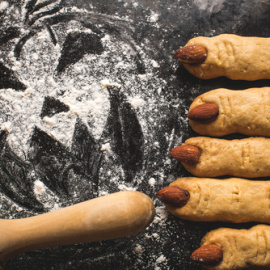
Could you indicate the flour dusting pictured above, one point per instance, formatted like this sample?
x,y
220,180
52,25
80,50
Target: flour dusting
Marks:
x,y
3,5
46,196
210,6
61,95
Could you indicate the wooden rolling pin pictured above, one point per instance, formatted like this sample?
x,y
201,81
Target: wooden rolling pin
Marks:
x,y
113,216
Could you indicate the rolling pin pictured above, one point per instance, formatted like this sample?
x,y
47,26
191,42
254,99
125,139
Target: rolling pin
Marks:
x,y
112,216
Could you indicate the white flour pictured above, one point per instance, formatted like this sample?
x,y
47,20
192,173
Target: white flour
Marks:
x,y
83,88
152,182
45,196
211,6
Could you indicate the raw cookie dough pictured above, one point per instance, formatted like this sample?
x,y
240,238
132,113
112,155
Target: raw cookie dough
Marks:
x,y
232,56
247,158
242,111
229,200
242,249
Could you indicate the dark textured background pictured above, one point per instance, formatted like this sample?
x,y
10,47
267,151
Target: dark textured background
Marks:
x,y
133,150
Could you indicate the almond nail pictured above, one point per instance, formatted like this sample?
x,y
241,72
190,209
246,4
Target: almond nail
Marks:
x,y
208,254
186,153
194,54
204,113
174,196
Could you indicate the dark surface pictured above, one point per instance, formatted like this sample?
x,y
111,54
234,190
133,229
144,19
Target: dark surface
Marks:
x,y
166,244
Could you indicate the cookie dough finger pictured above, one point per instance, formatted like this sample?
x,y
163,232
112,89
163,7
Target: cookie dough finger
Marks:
x,y
227,200
222,111
232,56
228,249
211,157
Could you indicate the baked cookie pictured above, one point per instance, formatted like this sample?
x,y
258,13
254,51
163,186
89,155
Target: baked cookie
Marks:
x,y
211,157
232,56
221,112
229,249
208,199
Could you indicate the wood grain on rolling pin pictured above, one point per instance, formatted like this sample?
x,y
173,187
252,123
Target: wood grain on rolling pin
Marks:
x,y
228,200
232,56
242,111
247,158
113,216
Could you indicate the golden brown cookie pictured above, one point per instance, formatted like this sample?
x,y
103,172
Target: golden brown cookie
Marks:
x,y
240,249
208,199
247,158
232,56
220,112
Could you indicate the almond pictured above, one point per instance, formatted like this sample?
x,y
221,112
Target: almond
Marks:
x,y
194,54
174,196
208,254
204,113
186,153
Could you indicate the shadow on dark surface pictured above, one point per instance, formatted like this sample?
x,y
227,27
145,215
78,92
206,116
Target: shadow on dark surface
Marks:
x,y
184,77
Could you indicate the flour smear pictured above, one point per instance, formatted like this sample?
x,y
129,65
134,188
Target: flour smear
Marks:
x,y
83,88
